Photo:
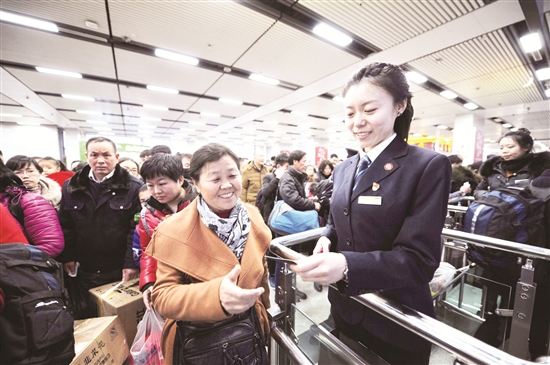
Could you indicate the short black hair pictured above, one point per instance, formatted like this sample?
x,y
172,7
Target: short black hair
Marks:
x,y
19,162
145,153
455,159
99,140
281,159
161,148
162,164
295,155
209,153
334,155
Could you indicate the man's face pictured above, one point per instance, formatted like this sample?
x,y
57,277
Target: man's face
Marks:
x,y
259,159
334,160
300,165
101,158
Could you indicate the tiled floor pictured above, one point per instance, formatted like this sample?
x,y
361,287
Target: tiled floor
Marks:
x,y
317,308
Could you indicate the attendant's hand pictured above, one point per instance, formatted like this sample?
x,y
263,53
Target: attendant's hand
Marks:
x,y
129,274
233,298
322,246
69,267
147,298
325,269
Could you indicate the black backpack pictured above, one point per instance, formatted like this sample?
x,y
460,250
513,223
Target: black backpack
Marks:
x,y
265,203
511,214
35,325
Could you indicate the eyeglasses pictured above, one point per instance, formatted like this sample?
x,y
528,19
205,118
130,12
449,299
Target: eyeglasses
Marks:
x,y
131,169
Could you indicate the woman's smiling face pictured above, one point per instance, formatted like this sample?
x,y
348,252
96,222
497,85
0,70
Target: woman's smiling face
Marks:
x,y
220,184
370,114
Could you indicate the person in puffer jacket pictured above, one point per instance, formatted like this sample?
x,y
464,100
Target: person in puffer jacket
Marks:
x,y
34,215
170,193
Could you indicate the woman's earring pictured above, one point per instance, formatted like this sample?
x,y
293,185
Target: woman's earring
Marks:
x,y
399,113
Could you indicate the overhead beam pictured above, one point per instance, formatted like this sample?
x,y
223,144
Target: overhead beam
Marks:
x,y
489,18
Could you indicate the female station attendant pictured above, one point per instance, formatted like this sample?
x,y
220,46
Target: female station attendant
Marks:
x,y
384,230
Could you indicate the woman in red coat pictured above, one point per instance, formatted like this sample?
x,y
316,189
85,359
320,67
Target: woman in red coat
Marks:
x,y
170,193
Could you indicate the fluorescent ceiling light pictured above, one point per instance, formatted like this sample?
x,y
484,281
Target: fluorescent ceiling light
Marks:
x,y
547,92
334,119
416,77
147,126
448,94
197,122
498,120
471,106
78,97
332,34
187,129
441,126
230,101
302,126
29,123
211,114
153,119
29,22
514,129
176,57
156,107
90,112
143,136
543,73
338,99
52,71
417,134
530,42
102,128
162,89
529,82
96,122
430,137
271,122
300,113
264,79
10,115
507,125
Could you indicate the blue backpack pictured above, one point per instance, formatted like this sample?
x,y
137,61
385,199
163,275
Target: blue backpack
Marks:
x,y
511,214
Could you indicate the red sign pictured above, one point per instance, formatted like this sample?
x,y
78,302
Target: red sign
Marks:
x,y
321,153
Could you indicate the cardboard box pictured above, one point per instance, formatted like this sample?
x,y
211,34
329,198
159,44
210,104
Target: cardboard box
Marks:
x,y
122,299
100,341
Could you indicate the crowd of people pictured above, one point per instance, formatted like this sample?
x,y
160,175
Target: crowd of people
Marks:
x,y
383,209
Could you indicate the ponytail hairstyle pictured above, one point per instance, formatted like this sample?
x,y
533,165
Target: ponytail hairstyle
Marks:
x,y
392,79
522,137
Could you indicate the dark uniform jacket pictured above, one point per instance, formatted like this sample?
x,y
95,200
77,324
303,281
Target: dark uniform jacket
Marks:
x,y
98,234
389,230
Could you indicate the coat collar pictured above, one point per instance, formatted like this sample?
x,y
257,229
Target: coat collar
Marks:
x,y
81,182
185,243
384,165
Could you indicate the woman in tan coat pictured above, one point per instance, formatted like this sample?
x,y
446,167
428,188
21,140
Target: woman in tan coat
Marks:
x,y
211,255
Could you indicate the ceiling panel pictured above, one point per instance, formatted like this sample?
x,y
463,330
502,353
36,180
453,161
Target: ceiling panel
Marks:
x,y
136,95
197,28
319,106
216,106
74,13
156,71
387,23
38,48
289,54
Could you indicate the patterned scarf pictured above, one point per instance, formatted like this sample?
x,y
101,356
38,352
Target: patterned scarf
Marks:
x,y
233,230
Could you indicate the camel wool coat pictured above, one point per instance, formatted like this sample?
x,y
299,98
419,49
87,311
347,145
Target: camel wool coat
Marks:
x,y
192,262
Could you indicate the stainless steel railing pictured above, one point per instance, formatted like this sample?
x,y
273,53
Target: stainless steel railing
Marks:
x,y
464,347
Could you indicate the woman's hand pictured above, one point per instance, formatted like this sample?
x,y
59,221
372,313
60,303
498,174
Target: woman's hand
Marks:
x,y
326,268
322,246
233,298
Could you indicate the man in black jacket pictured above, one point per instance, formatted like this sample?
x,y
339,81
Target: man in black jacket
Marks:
x,y
267,194
291,185
96,214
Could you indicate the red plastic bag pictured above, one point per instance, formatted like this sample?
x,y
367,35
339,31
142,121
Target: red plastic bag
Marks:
x,y
146,349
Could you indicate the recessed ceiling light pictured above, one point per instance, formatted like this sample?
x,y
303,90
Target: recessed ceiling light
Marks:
x,y
78,97
471,106
271,121
52,71
96,122
442,126
230,101
29,22
162,89
264,79
29,123
211,114
448,94
514,129
176,57
91,25
498,120
507,125
416,77
338,99
332,34
90,112
156,107
530,42
300,113
543,73
7,115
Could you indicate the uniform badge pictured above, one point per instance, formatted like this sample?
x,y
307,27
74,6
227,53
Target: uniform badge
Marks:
x,y
388,166
375,186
